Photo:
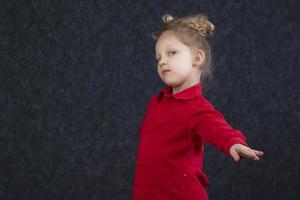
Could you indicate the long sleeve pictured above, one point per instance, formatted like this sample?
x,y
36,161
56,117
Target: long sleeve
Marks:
x,y
148,106
212,127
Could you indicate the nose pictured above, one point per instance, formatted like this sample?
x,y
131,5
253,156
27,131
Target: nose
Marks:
x,y
162,63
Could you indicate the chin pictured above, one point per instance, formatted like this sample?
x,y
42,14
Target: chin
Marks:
x,y
170,83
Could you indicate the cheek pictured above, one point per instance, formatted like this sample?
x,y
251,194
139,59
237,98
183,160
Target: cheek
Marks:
x,y
159,73
184,64
184,70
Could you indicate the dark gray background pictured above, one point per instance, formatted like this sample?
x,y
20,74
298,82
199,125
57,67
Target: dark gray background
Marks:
x,y
75,78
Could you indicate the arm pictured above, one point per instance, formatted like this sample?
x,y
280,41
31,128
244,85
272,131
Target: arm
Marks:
x,y
212,127
148,106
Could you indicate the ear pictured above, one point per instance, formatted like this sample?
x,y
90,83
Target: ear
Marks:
x,y
199,57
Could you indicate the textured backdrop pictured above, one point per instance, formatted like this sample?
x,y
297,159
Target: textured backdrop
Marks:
x,y
75,77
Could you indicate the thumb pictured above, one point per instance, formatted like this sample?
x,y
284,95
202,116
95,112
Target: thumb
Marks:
x,y
235,155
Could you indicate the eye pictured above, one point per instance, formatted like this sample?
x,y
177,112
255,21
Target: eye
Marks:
x,y
172,52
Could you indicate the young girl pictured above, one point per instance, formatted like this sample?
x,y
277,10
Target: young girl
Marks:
x,y
178,120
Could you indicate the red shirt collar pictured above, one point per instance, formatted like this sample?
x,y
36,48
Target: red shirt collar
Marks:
x,y
190,92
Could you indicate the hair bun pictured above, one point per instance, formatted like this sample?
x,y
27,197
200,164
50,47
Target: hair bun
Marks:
x,y
167,18
198,23
203,25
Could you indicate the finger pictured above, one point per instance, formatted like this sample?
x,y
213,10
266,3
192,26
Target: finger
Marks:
x,y
253,155
235,155
258,153
248,153
256,150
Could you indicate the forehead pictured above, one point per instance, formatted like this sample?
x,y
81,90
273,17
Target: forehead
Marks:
x,y
167,39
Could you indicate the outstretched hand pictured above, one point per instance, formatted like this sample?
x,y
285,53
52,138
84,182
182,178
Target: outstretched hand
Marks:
x,y
240,150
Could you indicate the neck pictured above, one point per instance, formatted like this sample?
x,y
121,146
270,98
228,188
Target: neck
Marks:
x,y
183,86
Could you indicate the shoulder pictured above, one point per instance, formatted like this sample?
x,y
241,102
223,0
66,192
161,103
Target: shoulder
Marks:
x,y
151,101
203,110
201,104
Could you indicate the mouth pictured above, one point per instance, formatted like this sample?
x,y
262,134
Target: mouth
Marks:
x,y
166,71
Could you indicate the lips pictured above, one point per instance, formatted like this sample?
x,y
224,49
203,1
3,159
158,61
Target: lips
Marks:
x,y
166,70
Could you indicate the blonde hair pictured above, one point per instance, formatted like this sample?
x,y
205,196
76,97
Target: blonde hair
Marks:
x,y
191,30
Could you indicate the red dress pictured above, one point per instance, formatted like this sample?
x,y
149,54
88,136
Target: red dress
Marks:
x,y
170,150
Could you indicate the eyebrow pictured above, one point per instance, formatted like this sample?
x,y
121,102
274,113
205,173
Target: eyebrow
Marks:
x,y
167,46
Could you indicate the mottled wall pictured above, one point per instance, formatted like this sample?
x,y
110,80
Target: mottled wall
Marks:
x,y
75,77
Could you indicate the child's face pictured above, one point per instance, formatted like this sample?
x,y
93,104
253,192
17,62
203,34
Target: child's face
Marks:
x,y
173,55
